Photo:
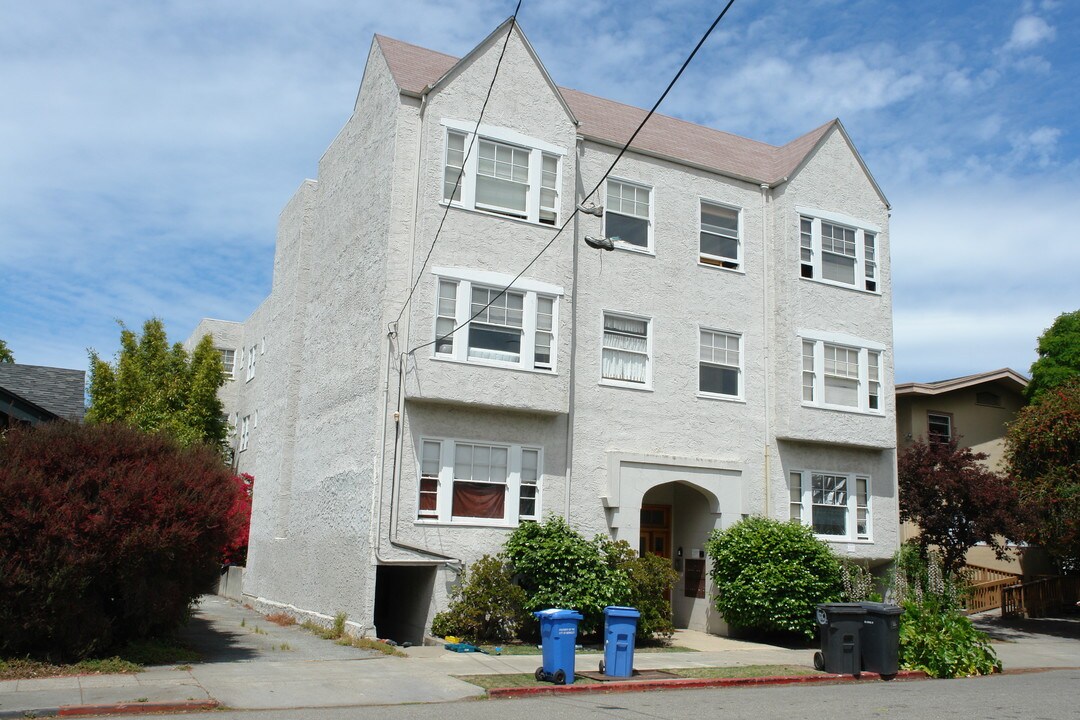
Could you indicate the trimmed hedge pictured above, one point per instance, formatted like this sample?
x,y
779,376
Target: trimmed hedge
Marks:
x,y
107,535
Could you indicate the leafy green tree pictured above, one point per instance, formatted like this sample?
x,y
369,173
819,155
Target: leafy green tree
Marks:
x,y
5,353
157,387
1043,453
1059,355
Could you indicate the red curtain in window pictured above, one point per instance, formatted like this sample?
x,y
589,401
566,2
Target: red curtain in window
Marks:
x,y
479,500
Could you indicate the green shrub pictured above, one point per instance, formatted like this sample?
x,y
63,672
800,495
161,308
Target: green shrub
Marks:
x,y
485,606
769,575
651,580
939,640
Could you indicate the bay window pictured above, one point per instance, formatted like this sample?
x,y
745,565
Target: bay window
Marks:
x,y
841,372
838,249
835,505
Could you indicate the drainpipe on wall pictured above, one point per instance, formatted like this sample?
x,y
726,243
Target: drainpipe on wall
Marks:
x,y
765,344
573,336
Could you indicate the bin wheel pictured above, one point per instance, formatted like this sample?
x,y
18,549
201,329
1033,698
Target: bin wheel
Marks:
x,y
819,661
888,677
602,666
559,677
539,674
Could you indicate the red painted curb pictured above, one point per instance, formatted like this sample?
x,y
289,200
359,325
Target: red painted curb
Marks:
x,y
679,683
135,708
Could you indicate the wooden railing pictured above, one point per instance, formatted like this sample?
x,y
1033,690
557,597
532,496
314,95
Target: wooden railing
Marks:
x,y
1040,597
976,574
985,587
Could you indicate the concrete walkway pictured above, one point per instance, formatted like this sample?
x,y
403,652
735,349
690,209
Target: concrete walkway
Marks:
x,y
253,664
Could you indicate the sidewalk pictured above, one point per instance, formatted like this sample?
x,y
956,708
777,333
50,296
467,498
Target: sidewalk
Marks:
x,y
252,664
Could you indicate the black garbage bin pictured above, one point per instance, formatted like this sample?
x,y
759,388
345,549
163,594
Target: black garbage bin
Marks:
x,y
841,627
881,638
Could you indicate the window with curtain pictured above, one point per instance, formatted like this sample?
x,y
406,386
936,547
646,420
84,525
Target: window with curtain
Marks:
x,y
626,349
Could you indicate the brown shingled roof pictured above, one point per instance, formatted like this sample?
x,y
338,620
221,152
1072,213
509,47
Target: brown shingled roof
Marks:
x,y
415,69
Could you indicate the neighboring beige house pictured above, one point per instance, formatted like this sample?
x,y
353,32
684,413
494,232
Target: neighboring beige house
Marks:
x,y
731,356
975,409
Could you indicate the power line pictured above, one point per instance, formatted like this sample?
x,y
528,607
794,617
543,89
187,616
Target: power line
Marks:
x,y
461,171
618,157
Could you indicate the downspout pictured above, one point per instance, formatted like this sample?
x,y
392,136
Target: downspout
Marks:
x,y
573,335
765,341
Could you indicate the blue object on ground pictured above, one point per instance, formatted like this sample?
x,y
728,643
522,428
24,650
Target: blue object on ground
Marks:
x,y
464,647
620,627
558,635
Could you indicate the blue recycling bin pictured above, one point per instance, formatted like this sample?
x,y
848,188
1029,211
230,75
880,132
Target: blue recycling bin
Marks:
x,y
620,627
558,635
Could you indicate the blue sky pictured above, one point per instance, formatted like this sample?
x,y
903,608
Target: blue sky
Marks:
x,y
146,149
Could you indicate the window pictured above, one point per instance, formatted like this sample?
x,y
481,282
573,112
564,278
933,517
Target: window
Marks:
x,y
515,328
719,363
627,351
837,250
228,361
841,372
505,173
835,505
478,483
245,431
627,215
938,427
984,397
719,236
251,355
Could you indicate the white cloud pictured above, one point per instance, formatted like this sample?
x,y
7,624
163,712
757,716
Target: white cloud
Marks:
x,y
1029,31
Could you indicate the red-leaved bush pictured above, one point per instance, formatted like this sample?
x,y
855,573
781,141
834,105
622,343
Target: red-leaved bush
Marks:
x,y
107,534
239,516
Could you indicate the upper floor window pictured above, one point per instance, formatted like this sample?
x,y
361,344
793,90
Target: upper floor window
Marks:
x,y
228,361
251,355
515,328
838,249
984,397
628,215
627,351
842,373
245,432
835,505
719,364
478,483
506,173
938,427
720,244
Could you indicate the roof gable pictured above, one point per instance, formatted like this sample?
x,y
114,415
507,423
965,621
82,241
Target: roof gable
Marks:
x,y
59,390
1006,376
807,145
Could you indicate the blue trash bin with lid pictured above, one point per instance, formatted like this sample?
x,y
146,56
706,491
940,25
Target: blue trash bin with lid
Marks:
x,y
558,635
620,627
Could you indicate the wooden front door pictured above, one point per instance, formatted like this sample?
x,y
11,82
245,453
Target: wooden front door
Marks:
x,y
655,530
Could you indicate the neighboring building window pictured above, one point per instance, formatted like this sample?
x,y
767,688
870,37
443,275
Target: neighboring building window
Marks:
x,y
515,328
505,173
984,397
720,363
627,350
251,355
476,483
719,236
627,214
838,251
840,375
835,505
245,431
228,361
938,427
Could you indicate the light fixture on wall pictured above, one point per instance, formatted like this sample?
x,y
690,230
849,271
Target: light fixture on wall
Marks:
x,y
678,553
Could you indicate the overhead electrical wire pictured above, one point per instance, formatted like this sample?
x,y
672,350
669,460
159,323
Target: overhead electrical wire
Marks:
x,y
592,192
461,171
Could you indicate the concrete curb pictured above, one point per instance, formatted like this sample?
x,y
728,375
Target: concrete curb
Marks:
x,y
127,708
682,683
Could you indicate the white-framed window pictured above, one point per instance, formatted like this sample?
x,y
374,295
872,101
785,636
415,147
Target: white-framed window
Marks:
x,y
938,427
719,236
251,356
841,372
626,358
838,250
478,483
836,505
245,432
628,215
228,361
516,328
720,363
506,173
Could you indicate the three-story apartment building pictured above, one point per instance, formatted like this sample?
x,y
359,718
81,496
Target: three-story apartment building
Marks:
x,y
402,414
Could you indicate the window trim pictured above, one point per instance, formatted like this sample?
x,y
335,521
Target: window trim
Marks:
x,y
948,418
532,290
862,262
852,505
849,342
245,432
649,330
536,148
742,356
650,247
443,514
738,261
251,356
230,368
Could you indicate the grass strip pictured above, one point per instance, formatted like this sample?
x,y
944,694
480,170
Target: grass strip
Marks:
x,y
522,680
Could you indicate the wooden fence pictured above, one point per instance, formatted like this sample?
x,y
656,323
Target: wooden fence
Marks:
x,y
1040,598
985,587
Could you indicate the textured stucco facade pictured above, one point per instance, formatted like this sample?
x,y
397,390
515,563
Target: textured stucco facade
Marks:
x,y
358,397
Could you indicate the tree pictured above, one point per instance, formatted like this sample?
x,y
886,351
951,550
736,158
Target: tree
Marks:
x,y
1059,355
1043,454
155,387
956,501
5,353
